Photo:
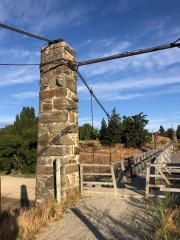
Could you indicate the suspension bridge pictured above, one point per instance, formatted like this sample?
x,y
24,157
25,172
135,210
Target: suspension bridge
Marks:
x,y
58,169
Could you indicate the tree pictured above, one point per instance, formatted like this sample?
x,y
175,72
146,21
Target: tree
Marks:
x,y
134,132
114,128
111,134
104,136
18,143
169,133
161,130
87,132
178,132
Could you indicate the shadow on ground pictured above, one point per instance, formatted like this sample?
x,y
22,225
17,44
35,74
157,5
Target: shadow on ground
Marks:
x,y
107,225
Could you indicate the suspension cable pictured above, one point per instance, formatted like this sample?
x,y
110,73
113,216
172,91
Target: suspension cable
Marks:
x,y
92,93
24,33
92,122
131,53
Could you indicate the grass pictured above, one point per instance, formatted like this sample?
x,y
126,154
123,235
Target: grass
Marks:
x,y
25,223
163,218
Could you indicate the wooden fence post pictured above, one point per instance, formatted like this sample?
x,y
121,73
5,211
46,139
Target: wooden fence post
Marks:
x,y
123,169
114,180
81,178
58,180
147,180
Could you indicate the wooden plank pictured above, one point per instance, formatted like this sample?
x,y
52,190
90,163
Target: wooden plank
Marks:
x,y
161,177
97,174
97,183
58,180
81,178
123,169
170,189
114,180
95,165
147,180
164,177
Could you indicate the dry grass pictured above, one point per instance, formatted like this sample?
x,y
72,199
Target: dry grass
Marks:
x,y
25,223
164,219
105,154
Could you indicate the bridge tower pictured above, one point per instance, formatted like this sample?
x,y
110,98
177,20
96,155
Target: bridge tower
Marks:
x,y
58,123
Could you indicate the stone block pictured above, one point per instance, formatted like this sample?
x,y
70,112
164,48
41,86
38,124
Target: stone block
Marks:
x,y
58,151
72,168
47,107
50,182
60,104
71,84
43,139
56,116
65,140
76,150
57,127
58,92
44,170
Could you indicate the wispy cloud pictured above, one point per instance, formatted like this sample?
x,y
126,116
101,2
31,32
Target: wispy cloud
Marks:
x,y
44,15
16,76
25,95
147,62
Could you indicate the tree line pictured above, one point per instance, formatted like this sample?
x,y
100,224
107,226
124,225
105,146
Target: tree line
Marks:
x,y
18,142
127,130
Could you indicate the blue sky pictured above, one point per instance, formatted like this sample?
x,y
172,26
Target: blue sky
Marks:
x,y
148,83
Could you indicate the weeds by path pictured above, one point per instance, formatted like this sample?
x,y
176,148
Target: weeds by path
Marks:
x,y
23,224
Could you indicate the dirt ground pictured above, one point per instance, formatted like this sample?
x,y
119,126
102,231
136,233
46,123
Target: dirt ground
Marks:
x,y
101,218
16,192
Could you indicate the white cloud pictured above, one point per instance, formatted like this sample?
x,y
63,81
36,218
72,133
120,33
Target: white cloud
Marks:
x,y
25,95
147,62
43,15
96,122
17,75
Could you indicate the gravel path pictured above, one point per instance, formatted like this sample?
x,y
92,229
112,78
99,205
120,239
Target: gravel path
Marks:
x,y
100,218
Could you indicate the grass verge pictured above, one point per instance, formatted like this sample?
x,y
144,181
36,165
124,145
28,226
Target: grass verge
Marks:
x,y
163,219
23,224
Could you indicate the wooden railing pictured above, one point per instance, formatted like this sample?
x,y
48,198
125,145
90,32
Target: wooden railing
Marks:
x,y
105,178
161,174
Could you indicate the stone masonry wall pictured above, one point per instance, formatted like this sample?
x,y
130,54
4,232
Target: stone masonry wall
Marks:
x,y
58,121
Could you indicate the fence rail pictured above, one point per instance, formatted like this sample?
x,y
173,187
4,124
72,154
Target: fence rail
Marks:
x,y
107,178
162,175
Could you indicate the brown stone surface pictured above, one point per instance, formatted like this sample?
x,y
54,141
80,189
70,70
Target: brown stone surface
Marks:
x,y
46,170
58,92
58,110
43,139
72,168
47,106
65,140
60,116
50,182
58,151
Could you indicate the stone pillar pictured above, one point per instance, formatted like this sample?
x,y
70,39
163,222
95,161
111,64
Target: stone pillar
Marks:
x,y
58,121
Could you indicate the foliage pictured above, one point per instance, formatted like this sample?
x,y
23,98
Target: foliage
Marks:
x,y
169,133
18,143
104,136
134,132
164,219
178,132
131,131
25,223
161,130
87,132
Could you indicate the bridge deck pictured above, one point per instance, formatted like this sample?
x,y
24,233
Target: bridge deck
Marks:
x,y
139,183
